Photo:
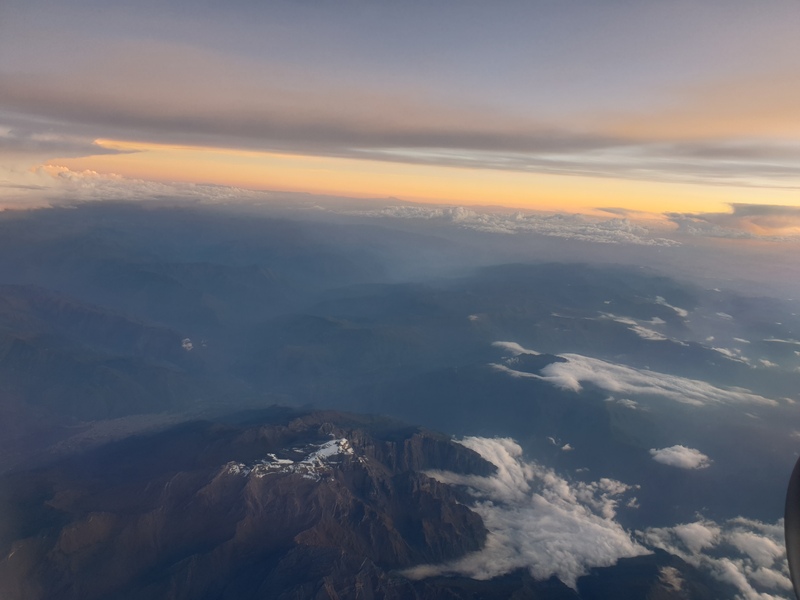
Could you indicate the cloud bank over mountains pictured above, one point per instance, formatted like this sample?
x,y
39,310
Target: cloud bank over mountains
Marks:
x,y
744,553
537,519
553,525
570,226
52,184
56,185
744,221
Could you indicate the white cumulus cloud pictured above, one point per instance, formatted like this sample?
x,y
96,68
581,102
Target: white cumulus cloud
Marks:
x,y
681,457
744,553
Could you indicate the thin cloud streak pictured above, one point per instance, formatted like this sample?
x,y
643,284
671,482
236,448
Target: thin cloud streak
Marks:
x,y
221,106
623,380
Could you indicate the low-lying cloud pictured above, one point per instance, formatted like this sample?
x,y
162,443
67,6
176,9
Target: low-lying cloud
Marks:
x,y
744,553
569,226
554,526
681,457
643,332
537,519
743,221
56,184
52,185
628,381
514,348
681,312
733,354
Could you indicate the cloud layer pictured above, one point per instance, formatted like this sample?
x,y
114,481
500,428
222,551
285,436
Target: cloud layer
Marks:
x,y
744,221
216,79
570,226
223,106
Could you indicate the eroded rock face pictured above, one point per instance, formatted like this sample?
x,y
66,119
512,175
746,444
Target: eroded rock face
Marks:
x,y
312,506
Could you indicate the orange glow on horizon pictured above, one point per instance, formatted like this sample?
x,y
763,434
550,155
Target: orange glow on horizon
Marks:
x,y
421,183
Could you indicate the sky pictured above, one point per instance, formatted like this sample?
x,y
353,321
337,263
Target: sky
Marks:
x,y
679,108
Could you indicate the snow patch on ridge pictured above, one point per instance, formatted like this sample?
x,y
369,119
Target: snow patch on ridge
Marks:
x,y
316,460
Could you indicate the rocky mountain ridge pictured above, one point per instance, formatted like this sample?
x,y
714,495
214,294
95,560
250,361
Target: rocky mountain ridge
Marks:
x,y
273,504
168,516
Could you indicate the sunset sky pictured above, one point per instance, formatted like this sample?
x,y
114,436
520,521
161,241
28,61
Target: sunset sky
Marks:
x,y
571,106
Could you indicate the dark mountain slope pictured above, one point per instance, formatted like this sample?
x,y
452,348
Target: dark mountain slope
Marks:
x,y
219,510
